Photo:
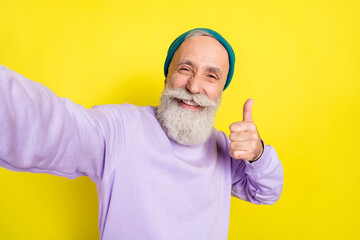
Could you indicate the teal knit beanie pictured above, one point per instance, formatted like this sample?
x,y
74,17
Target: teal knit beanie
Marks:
x,y
177,42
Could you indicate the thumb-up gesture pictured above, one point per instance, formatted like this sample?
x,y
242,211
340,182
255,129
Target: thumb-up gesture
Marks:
x,y
245,140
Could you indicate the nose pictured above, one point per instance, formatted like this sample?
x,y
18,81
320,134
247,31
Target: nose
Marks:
x,y
194,84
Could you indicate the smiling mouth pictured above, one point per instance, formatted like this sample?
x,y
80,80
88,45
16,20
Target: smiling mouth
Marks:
x,y
189,104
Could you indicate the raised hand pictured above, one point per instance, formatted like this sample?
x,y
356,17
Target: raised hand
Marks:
x,y
245,140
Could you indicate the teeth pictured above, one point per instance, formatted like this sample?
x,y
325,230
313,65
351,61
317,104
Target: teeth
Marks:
x,y
188,102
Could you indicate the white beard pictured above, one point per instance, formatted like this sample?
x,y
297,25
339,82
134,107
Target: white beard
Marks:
x,y
183,125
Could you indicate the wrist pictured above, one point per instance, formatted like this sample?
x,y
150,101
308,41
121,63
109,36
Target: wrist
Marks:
x,y
261,152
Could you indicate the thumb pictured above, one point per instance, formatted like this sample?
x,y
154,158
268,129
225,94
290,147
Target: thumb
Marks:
x,y
247,110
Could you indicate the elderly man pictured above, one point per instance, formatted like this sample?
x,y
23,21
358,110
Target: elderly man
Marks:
x,y
161,173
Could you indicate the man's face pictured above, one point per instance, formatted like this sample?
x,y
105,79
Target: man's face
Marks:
x,y
200,65
196,78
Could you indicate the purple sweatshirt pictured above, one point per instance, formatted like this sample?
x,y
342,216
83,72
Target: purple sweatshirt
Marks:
x,y
149,187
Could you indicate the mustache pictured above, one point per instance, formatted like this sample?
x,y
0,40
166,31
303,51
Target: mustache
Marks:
x,y
199,98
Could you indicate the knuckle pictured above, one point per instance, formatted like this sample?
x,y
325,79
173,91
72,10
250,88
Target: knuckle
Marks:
x,y
234,137
238,155
232,127
232,153
231,136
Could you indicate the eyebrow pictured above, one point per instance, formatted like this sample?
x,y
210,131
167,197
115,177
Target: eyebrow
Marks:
x,y
185,62
209,68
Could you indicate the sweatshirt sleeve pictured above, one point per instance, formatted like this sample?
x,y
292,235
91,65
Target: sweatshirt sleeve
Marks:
x,y
42,133
259,182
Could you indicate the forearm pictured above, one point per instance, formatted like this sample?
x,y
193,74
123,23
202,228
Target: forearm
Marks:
x,y
259,182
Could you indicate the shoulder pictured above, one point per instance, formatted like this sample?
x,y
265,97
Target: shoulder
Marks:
x,y
127,117
121,111
221,137
222,141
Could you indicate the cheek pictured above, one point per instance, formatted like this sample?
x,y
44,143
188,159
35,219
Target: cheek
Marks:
x,y
215,95
213,92
178,80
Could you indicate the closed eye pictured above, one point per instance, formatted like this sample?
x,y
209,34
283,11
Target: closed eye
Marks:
x,y
185,70
212,76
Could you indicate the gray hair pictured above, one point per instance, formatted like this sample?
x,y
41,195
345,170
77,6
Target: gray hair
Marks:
x,y
198,33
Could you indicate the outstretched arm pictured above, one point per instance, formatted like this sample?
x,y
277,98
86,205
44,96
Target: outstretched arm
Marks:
x,y
40,132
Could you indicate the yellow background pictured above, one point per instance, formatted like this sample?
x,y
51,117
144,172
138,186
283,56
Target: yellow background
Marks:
x,y
298,60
